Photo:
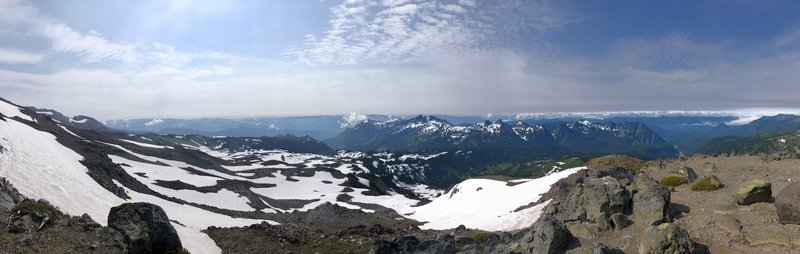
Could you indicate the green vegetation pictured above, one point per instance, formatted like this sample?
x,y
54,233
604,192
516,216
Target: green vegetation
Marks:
x,y
480,237
614,161
672,181
704,184
763,143
30,206
529,169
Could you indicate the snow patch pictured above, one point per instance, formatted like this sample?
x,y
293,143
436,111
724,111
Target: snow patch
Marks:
x,y
145,144
10,111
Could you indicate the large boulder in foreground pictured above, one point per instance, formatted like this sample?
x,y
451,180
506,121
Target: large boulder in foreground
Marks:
x,y
788,204
665,238
146,228
753,192
547,236
595,200
650,202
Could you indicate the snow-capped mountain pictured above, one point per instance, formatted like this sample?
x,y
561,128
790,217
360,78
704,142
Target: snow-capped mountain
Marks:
x,y
551,140
217,181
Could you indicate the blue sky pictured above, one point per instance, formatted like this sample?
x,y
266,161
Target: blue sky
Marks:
x,y
188,59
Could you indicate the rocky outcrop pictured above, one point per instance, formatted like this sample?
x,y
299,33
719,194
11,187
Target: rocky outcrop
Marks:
x,y
145,227
594,201
546,236
9,195
666,238
650,202
753,192
788,204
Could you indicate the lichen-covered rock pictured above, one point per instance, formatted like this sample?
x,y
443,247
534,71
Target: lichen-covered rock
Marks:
x,y
650,202
753,192
666,238
146,228
788,204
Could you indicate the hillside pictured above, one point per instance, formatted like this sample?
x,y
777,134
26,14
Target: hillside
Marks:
x,y
785,145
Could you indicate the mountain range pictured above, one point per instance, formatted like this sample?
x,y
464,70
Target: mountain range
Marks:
x,y
533,141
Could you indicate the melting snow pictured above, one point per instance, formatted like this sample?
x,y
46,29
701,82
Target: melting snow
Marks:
x,y
145,144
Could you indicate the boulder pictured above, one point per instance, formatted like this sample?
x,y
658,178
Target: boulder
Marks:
x,y
594,248
145,227
729,223
402,244
594,201
546,236
753,192
580,230
714,181
650,202
687,172
769,234
709,167
620,221
6,201
787,202
665,238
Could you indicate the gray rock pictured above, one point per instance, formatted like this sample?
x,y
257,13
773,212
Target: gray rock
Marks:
x,y
788,204
729,223
402,244
6,201
769,234
650,202
594,201
580,230
709,167
665,238
753,192
687,172
443,245
620,221
145,227
594,248
546,236
19,225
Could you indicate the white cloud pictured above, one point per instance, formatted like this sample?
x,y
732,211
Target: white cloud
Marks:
x,y
155,121
92,46
406,31
351,120
12,56
14,13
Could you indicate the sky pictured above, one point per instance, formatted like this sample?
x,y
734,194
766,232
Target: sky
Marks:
x,y
114,59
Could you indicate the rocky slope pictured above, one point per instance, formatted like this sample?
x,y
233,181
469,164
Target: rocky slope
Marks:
x,y
36,226
618,205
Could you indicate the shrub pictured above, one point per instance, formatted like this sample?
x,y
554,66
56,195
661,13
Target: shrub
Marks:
x,y
672,181
704,184
480,237
30,206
